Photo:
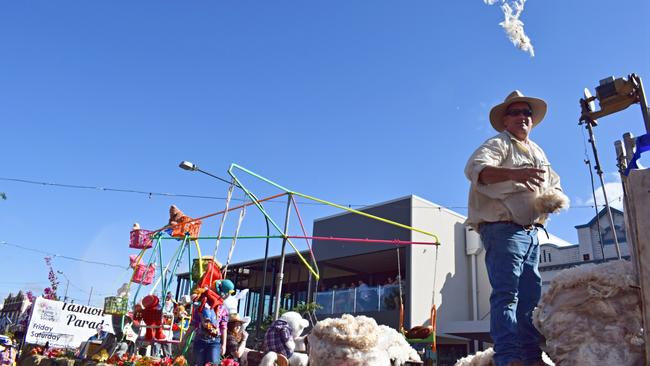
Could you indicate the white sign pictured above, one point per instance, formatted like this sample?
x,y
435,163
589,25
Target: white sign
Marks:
x,y
64,325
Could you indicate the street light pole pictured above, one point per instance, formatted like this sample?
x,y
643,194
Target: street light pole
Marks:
x,y
90,295
67,284
189,166
186,165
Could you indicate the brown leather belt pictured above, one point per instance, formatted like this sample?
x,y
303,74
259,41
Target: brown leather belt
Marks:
x,y
529,227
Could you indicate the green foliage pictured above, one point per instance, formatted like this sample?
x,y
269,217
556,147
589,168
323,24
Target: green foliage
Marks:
x,y
305,308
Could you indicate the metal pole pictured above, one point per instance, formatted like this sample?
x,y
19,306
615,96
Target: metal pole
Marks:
x,y
593,192
90,295
260,304
278,291
274,279
67,284
215,177
24,339
643,102
599,171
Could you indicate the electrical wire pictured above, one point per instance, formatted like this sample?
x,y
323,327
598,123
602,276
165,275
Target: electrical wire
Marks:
x,y
54,255
181,195
72,283
77,186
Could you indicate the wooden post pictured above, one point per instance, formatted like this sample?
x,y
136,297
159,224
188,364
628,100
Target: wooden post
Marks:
x,y
638,213
622,160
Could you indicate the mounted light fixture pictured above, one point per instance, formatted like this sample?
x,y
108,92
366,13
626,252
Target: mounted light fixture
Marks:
x,y
614,95
186,165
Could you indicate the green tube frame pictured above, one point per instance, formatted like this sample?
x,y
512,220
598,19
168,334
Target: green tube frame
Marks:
x,y
231,172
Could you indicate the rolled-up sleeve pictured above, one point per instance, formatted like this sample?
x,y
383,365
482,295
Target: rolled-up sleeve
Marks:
x,y
491,153
555,180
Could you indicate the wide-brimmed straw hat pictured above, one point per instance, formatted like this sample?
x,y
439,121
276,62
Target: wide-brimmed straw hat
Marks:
x,y
6,341
235,318
498,111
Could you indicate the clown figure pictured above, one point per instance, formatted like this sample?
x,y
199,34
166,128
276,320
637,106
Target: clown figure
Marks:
x,y
210,320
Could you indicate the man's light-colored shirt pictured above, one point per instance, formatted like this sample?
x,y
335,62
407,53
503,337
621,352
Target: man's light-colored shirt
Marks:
x,y
509,200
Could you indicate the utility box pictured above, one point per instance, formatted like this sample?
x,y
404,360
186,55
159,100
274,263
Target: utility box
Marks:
x,y
473,244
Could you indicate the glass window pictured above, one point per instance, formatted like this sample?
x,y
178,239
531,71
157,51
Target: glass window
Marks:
x,y
389,295
325,300
367,298
344,301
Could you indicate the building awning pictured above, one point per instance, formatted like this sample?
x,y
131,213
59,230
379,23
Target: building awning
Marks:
x,y
478,330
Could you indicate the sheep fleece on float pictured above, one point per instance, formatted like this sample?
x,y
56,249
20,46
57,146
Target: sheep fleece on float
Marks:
x,y
357,341
591,315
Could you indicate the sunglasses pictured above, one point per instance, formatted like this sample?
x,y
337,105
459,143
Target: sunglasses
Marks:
x,y
516,112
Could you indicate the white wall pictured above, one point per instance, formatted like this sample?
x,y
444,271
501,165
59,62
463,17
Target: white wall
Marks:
x,y
589,241
453,284
586,244
547,276
550,254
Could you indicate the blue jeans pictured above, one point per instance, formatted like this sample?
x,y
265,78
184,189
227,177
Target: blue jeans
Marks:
x,y
512,257
206,351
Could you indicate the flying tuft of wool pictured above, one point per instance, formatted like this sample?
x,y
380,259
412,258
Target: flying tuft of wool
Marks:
x,y
512,25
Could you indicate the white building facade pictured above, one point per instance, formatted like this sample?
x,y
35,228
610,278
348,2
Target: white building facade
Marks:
x,y
593,246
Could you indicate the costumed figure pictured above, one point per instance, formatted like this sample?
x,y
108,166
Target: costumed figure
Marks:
x,y
181,224
176,216
210,323
283,338
211,273
152,316
181,318
232,302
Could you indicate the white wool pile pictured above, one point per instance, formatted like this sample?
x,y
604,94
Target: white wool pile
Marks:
x,y
513,26
591,315
357,341
478,359
485,358
398,349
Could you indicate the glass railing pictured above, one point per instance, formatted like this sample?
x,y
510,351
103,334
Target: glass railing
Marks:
x,y
358,300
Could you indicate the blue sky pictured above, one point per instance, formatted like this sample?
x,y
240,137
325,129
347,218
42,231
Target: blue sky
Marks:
x,y
356,102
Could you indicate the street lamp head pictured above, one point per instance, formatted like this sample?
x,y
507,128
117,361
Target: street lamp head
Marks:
x,y
186,165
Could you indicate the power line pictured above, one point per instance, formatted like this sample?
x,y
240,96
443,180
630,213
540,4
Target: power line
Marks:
x,y
181,195
108,189
71,283
54,255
